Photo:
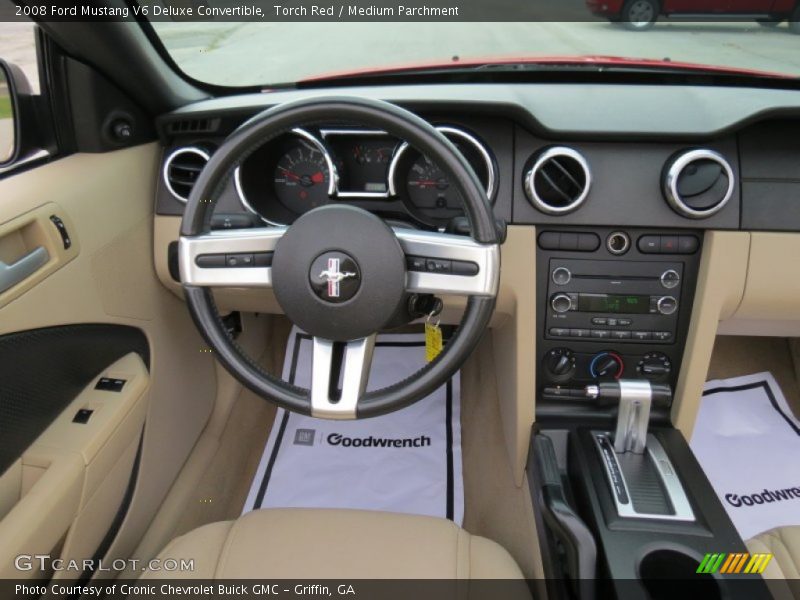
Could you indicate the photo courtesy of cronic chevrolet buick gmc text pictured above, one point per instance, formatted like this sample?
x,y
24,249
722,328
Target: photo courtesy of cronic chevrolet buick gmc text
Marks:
x,y
459,301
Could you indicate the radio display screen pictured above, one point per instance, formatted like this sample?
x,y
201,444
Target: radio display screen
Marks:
x,y
614,303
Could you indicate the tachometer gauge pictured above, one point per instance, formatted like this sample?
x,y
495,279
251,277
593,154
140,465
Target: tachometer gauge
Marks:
x,y
302,178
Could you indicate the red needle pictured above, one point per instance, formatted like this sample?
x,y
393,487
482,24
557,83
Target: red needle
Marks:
x,y
289,173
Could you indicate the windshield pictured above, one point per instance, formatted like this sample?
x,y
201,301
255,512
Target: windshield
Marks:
x,y
270,53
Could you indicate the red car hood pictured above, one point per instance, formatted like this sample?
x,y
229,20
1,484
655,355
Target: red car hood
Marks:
x,y
610,61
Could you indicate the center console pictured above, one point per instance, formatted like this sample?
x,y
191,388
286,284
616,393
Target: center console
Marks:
x,y
612,304
626,509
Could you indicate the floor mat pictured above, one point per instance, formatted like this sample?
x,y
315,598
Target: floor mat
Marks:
x,y
748,443
408,461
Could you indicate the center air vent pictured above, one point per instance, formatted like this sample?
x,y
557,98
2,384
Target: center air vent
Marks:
x,y
697,183
558,181
181,170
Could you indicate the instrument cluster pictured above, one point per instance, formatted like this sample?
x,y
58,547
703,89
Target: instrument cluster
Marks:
x,y
307,168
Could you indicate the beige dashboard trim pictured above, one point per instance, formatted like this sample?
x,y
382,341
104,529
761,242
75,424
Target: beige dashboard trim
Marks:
x,y
720,287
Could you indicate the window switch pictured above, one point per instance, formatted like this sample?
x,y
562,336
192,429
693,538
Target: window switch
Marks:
x,y
82,416
110,384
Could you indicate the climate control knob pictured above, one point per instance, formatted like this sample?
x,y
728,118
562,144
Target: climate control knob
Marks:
x,y
559,364
606,365
561,303
655,366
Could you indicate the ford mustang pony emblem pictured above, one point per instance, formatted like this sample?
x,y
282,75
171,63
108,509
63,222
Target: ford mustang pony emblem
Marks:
x,y
334,276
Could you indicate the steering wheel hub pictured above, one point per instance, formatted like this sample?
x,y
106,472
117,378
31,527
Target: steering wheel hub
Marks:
x,y
335,277
339,273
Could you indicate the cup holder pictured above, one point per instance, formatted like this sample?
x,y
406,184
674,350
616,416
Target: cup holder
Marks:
x,y
667,573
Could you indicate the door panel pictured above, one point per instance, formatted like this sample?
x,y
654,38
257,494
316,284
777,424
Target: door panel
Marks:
x,y
46,368
32,247
109,292
74,475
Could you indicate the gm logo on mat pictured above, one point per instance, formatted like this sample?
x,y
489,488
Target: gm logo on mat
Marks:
x,y
729,564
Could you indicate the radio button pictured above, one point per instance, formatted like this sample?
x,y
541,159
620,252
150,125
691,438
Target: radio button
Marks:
x,y
620,335
687,244
569,241
641,336
579,333
561,303
550,240
669,244
559,332
613,322
650,244
662,336
588,242
624,322
602,334
667,305
561,276
670,278
599,321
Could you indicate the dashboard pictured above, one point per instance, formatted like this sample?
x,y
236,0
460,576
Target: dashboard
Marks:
x,y
643,220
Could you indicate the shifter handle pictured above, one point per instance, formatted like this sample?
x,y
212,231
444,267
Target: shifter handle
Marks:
x,y
607,393
634,397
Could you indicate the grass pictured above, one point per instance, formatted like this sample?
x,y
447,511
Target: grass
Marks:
x,y
5,107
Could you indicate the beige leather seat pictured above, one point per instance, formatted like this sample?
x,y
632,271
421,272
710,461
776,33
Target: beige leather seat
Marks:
x,y
338,544
783,571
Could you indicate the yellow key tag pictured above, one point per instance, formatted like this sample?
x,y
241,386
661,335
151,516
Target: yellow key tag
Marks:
x,y
433,340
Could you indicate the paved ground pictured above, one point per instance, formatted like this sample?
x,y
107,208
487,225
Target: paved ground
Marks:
x,y
253,53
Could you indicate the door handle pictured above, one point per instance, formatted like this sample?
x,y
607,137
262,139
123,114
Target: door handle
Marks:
x,y
11,275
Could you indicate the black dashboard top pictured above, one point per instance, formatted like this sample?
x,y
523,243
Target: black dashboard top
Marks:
x,y
556,154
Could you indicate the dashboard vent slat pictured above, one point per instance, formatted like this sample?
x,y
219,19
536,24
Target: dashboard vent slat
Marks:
x,y
192,126
558,181
181,170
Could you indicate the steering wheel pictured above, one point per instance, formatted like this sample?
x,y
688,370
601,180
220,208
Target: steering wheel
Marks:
x,y
339,272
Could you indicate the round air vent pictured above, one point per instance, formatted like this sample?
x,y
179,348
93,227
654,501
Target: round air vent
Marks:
x,y
697,183
181,170
558,182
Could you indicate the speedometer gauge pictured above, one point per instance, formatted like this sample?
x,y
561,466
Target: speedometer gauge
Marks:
x,y
302,178
426,189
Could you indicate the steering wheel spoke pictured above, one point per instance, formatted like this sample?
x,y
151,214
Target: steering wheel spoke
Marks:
x,y
443,263
229,258
335,363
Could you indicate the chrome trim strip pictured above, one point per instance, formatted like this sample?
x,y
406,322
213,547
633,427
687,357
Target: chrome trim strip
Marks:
x,y
355,375
530,188
633,415
228,241
168,163
451,247
491,169
672,485
237,183
673,174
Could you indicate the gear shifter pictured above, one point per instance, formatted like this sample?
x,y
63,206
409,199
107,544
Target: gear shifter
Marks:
x,y
635,398
640,475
